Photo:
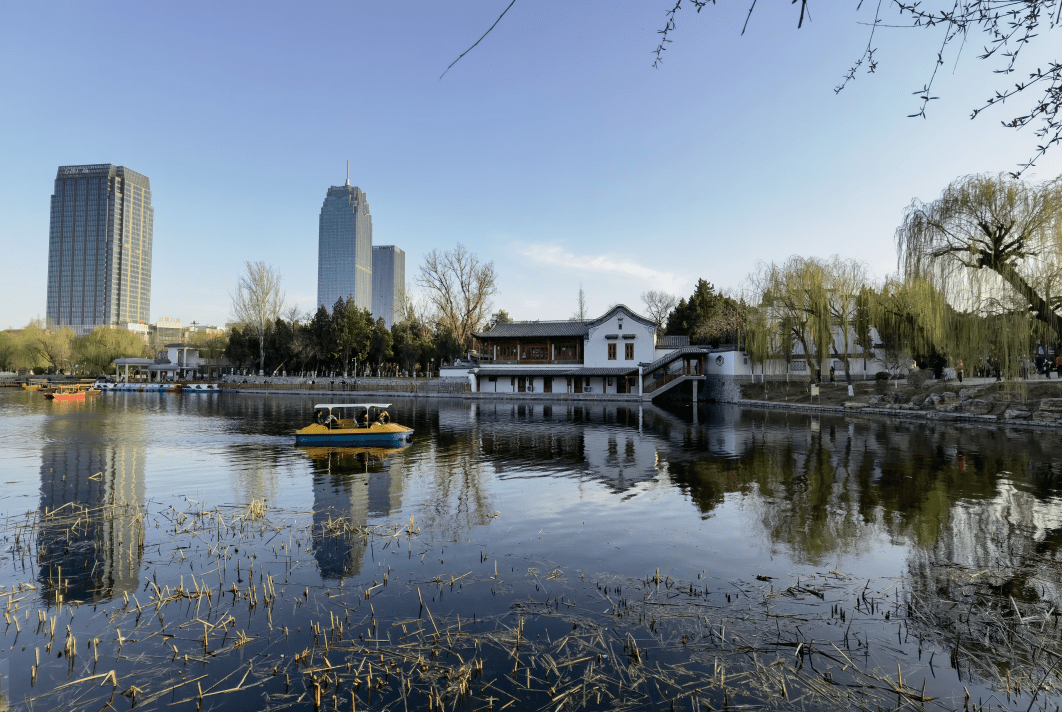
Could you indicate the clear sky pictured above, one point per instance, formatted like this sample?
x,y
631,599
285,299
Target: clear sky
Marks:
x,y
554,148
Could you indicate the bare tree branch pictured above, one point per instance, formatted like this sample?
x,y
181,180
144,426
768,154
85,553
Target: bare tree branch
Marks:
x,y
479,40
257,302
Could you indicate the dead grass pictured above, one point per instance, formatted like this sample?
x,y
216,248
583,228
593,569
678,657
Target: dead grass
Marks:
x,y
226,632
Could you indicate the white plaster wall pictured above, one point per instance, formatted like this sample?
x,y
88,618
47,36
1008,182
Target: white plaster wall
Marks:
x,y
596,346
735,363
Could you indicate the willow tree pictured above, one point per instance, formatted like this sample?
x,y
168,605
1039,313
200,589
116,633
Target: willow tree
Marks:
x,y
911,318
98,349
990,245
845,280
794,308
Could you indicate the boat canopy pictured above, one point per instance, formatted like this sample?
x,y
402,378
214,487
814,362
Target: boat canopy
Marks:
x,y
329,406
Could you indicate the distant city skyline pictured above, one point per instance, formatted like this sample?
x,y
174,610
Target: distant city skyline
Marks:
x,y
99,247
553,149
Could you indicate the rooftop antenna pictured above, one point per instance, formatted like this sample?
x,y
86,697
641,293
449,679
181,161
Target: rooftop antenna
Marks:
x,y
348,172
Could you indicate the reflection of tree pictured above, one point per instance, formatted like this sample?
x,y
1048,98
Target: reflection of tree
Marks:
x,y
978,510
998,556
103,486
835,487
457,499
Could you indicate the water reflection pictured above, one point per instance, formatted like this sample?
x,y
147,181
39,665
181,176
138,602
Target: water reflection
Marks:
x,y
91,499
979,498
349,484
601,443
960,515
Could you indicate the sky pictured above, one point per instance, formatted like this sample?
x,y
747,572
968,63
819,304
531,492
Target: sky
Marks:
x,y
553,149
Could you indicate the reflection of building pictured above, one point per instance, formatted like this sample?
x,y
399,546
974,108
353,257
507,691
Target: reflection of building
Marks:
x,y
603,441
388,284
99,247
344,248
100,556
349,486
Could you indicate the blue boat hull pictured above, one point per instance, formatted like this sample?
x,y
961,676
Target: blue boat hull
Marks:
x,y
356,439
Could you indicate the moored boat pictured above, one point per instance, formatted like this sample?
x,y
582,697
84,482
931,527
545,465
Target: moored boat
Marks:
x,y
67,393
358,424
201,388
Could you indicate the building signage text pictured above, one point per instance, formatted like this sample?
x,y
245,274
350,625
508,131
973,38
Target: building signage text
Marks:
x,y
81,170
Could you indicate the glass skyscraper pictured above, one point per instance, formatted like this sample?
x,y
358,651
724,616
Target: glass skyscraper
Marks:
x,y
388,284
99,247
344,248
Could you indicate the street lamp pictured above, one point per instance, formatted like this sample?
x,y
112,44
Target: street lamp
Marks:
x,y
431,368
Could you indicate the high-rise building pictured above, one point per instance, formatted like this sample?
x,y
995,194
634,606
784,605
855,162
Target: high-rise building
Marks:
x,y
99,247
388,284
344,248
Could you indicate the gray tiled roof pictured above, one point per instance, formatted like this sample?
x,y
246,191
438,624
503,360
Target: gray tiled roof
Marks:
x,y
672,342
531,329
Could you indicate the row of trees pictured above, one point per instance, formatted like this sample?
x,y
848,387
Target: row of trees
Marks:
x,y
50,350
343,340
980,277
458,289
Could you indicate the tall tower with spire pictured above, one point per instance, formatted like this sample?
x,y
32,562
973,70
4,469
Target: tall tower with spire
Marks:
x,y
344,247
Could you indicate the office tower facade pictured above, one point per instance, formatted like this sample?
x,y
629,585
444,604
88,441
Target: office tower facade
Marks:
x,y
99,247
344,248
388,284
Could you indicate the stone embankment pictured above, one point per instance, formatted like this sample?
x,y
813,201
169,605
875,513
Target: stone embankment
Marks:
x,y
984,404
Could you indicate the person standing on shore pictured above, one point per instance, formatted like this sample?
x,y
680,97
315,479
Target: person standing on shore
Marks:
x,y
958,370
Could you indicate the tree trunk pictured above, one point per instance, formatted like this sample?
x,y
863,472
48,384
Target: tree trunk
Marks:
x,y
1037,304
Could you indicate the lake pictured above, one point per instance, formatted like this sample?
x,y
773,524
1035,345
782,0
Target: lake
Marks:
x,y
160,550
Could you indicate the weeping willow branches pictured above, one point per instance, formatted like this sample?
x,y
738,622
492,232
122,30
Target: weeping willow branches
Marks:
x,y
991,246
795,310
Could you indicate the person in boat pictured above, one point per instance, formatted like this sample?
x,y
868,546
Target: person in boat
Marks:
x,y
362,420
319,416
383,418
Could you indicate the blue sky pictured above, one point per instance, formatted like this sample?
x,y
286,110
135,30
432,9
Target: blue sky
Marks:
x,y
554,148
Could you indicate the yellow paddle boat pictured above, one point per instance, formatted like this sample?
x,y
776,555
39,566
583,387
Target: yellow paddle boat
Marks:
x,y
353,424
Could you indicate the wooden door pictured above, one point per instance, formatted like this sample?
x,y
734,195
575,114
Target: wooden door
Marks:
x,y
521,384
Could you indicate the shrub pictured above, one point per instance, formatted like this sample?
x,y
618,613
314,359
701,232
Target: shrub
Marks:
x,y
917,379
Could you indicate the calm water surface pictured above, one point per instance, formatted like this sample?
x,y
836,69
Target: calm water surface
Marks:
x,y
499,531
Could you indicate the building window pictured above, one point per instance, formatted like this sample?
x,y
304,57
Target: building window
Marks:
x,y
533,352
506,352
628,352
565,351
611,352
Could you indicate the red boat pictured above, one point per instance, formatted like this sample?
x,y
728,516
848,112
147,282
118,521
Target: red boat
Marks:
x,y
67,393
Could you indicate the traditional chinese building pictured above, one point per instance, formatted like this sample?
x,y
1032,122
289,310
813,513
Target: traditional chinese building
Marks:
x,y
602,355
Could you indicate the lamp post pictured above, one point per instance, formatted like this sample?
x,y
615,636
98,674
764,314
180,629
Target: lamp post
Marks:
x,y
431,368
